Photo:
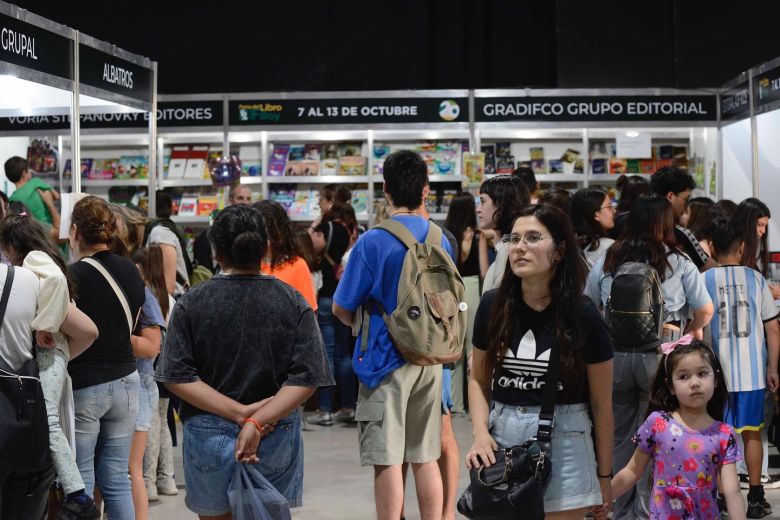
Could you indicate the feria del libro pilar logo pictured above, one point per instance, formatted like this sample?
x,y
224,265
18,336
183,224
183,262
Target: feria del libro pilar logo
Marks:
x,y
449,110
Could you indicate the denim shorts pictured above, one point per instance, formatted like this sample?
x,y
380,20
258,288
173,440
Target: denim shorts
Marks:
x,y
148,397
446,391
209,465
573,482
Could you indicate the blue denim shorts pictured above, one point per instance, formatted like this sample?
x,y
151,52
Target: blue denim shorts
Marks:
x,y
573,481
446,391
209,465
148,397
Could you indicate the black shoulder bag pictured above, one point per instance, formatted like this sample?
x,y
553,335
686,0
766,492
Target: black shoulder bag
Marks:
x,y
24,431
513,487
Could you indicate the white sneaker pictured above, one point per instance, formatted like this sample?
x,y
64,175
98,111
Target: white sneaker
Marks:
x,y
347,415
321,419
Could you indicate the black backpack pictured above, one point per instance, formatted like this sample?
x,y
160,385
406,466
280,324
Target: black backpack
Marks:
x,y
635,309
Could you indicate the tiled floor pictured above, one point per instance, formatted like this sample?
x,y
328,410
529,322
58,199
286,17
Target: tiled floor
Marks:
x,y
337,487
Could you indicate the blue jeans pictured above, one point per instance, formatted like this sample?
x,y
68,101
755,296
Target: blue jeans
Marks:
x,y
209,463
327,323
105,420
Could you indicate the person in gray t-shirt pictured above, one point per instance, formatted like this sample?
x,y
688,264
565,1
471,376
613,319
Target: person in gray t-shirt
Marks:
x,y
242,351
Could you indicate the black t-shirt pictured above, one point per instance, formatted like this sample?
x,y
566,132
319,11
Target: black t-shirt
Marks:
x,y
519,380
337,239
245,336
111,355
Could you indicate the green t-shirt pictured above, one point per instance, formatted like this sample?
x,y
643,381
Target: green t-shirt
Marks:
x,y
29,196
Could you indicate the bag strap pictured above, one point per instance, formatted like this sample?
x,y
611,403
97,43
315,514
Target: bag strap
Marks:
x,y
547,412
435,234
400,232
120,294
9,280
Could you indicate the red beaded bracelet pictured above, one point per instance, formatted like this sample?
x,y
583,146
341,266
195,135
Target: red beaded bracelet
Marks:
x,y
259,426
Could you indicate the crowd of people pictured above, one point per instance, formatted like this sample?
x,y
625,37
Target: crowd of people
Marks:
x,y
655,309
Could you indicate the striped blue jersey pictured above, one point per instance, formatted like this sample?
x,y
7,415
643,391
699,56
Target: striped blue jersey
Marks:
x,y
743,302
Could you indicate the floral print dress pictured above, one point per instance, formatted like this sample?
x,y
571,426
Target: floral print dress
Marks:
x,y
686,465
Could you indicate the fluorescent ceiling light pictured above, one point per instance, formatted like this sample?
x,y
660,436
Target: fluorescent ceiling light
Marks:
x,y
632,133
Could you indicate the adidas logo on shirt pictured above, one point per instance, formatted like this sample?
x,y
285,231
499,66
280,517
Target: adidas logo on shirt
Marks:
x,y
529,369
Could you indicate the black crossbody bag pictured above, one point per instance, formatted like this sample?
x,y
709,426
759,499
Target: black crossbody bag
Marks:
x,y
24,430
513,487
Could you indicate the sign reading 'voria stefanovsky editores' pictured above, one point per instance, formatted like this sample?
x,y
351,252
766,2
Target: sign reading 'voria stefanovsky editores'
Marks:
x,y
272,112
169,114
105,71
30,46
597,108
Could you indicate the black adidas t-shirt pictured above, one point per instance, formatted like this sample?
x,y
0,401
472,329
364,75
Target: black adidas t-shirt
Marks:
x,y
519,380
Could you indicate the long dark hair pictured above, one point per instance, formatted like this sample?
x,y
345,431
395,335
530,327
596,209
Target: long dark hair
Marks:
x,y
584,206
509,196
702,227
23,234
649,231
630,189
698,211
661,397
756,255
280,232
461,216
344,213
150,258
567,300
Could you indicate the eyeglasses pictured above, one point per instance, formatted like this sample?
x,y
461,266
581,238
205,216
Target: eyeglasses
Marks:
x,y
686,199
531,239
611,206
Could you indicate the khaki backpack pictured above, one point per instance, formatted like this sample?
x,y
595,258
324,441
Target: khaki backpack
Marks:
x,y
428,326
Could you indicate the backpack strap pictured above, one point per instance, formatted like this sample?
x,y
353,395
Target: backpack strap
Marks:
x,y
400,232
435,234
9,280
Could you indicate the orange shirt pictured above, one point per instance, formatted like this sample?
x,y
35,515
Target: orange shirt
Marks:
x,y
296,274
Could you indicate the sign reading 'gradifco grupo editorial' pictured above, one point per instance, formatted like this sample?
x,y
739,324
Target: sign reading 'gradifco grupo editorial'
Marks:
x,y
105,71
273,112
597,108
30,46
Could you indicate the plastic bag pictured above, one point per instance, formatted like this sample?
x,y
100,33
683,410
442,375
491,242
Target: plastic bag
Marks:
x,y
252,497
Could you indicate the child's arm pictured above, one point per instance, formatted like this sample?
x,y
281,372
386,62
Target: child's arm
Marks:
x,y
772,330
147,343
630,475
729,483
80,330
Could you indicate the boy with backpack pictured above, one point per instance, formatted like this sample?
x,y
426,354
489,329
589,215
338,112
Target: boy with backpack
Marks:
x,y
413,320
746,339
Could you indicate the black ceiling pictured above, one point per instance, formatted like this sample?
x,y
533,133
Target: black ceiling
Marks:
x,y
232,46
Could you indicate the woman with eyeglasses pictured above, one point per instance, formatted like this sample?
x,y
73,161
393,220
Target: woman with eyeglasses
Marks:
x,y
648,238
500,200
539,304
593,216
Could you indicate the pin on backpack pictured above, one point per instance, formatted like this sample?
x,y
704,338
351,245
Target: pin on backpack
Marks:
x,y
428,326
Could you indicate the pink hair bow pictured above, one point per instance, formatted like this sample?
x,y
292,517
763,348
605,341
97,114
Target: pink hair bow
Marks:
x,y
668,348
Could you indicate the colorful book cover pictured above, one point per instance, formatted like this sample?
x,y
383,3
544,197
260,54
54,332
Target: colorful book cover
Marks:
x,y
207,204
330,151
537,165
666,152
598,149
251,168
489,150
278,160
312,152
537,153
646,166
474,167
617,166
446,199
632,166
297,152
503,150
661,163
350,165
302,168
505,164
432,201
196,163
680,157
300,204
360,201
86,168
579,166
556,165
599,165
350,149
570,155
329,167
105,169
188,207
178,162
284,195
612,147
133,167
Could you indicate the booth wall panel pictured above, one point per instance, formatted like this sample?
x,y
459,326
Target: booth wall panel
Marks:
x,y
737,161
769,171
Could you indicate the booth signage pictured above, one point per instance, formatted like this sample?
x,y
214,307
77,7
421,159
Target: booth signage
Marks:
x,y
766,87
597,108
35,48
169,114
735,102
348,111
105,71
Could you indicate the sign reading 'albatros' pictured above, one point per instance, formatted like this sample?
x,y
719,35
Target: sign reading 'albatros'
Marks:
x,y
105,71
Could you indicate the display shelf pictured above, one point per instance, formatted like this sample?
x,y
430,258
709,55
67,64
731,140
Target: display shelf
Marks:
x,y
191,220
107,183
550,177
318,179
613,177
361,217
431,178
251,180
177,183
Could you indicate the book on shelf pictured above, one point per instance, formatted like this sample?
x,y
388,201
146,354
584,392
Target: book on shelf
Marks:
x,y
297,152
646,166
133,167
523,164
278,160
284,195
329,167
302,168
446,199
570,156
251,161
537,152
503,150
666,152
505,164
103,169
196,162
188,207
350,165
579,166
489,150
474,168
251,168
178,162
432,201
537,165
680,158
359,201
350,150
633,166
556,165
441,157
617,166
661,163
300,204
330,151
599,165
312,152
381,151
207,204
598,150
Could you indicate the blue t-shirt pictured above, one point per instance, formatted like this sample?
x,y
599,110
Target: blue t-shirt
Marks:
x,y
372,274
151,316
